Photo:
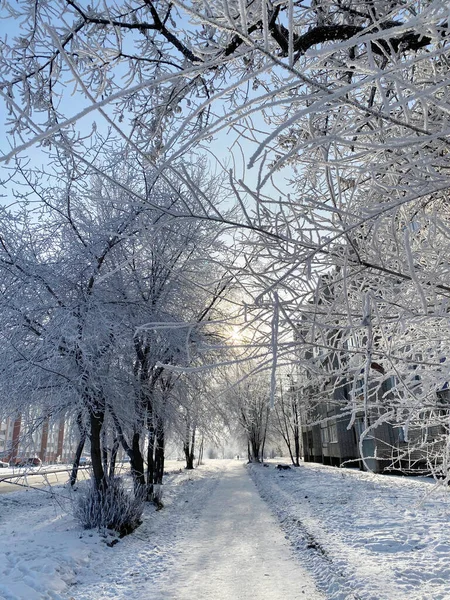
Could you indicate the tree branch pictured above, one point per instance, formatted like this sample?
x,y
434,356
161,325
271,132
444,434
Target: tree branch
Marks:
x,y
139,25
408,41
170,37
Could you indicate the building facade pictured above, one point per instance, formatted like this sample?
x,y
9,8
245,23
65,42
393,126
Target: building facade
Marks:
x,y
28,435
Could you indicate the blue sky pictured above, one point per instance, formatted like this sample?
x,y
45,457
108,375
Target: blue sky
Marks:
x,y
228,146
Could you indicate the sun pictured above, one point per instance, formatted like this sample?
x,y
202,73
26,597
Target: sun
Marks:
x,y
235,335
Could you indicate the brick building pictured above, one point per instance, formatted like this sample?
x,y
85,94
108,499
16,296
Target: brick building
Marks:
x,y
28,435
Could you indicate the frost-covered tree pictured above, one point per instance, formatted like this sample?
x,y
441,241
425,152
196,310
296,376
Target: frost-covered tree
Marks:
x,y
103,293
248,399
341,111
287,418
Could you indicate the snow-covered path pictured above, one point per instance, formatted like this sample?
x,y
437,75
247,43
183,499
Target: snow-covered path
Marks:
x,y
238,551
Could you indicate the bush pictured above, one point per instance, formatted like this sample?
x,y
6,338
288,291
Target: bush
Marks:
x,y
116,508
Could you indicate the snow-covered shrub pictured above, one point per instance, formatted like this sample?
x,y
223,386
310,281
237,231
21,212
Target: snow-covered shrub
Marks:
x,y
115,508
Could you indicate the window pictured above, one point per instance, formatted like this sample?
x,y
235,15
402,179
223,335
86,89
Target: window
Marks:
x,y
332,432
328,433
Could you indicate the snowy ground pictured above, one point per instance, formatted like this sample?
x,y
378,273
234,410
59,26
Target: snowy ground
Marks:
x,y
238,551
45,555
360,536
364,536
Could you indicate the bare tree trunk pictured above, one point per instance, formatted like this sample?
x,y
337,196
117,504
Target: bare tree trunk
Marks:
x,y
159,455
104,451
79,452
187,456
297,445
96,419
76,462
255,448
200,453
112,462
151,460
262,447
137,463
264,435
297,426
134,452
189,447
155,467
284,428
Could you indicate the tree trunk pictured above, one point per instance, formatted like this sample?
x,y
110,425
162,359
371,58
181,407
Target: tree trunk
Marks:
x,y
112,462
133,451
151,461
297,446
263,444
79,452
159,455
189,447
137,464
255,447
96,423
200,453
104,452
155,463
76,462
297,427
188,457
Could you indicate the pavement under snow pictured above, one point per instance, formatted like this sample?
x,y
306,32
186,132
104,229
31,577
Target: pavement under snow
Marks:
x,y
238,551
